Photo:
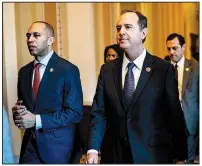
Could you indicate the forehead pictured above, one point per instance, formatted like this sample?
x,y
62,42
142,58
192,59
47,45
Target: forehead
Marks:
x,y
173,42
36,27
111,51
128,18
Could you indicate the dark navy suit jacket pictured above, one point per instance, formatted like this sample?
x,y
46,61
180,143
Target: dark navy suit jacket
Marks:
x,y
154,121
59,102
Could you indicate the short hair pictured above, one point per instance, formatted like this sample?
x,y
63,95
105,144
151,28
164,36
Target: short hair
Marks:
x,y
174,35
142,22
116,48
47,26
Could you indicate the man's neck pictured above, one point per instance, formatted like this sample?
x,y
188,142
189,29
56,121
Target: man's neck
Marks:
x,y
132,54
40,57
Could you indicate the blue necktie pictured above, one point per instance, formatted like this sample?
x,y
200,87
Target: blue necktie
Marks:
x,y
129,84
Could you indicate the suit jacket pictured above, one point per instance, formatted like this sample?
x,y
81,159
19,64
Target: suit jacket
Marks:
x,y
60,104
154,121
190,95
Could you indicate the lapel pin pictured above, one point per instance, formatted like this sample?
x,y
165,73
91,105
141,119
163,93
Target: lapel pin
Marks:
x,y
51,69
187,69
148,69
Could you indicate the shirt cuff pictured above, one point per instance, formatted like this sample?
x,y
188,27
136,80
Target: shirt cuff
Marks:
x,y
92,151
38,122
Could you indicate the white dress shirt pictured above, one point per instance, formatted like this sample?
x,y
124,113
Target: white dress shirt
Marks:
x,y
137,69
44,63
180,70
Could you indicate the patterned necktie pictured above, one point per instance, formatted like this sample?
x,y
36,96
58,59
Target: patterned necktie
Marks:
x,y
36,79
176,72
129,84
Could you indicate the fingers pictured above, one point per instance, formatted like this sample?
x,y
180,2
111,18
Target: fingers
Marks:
x,y
19,102
20,126
18,105
18,121
19,110
18,118
92,159
22,112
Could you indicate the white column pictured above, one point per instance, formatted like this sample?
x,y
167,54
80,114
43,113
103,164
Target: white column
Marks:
x,y
99,36
114,15
10,73
80,34
40,12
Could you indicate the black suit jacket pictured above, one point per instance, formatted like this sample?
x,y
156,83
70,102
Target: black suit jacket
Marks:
x,y
154,122
59,103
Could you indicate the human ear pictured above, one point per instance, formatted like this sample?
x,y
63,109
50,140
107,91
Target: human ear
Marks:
x,y
144,33
51,40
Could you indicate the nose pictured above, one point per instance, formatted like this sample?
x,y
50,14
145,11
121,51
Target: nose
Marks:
x,y
111,58
122,30
171,51
30,38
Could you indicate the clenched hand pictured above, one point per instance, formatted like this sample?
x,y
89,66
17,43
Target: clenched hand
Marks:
x,y
23,118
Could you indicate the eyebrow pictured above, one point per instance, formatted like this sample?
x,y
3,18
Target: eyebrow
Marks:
x,y
128,24
172,47
33,33
118,25
175,47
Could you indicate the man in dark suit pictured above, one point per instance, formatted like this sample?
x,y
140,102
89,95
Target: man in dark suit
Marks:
x,y
136,115
50,101
187,73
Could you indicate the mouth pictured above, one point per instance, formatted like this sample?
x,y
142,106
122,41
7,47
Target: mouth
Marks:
x,y
122,40
31,47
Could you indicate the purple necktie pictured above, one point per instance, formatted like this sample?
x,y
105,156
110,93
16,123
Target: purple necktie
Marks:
x,y
129,85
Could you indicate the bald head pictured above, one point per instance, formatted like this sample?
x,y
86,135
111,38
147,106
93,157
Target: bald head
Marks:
x,y
47,27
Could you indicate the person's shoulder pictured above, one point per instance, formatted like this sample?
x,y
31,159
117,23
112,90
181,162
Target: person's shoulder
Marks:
x,y
109,65
194,62
26,67
160,62
65,64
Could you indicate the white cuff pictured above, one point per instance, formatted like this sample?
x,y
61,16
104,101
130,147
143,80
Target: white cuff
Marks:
x,y
92,151
38,122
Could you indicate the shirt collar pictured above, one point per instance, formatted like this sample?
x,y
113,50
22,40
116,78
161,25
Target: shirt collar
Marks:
x,y
180,63
45,60
138,61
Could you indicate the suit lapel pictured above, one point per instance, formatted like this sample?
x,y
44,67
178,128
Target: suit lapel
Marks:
x,y
147,70
51,66
117,73
187,70
29,84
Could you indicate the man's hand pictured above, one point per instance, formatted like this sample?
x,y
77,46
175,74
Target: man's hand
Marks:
x,y
92,158
180,162
18,108
23,118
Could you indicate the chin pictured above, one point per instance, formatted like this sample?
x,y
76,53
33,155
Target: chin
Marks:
x,y
124,46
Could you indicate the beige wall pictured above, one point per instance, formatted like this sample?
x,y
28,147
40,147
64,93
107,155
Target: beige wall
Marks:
x,y
10,70
81,48
82,32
